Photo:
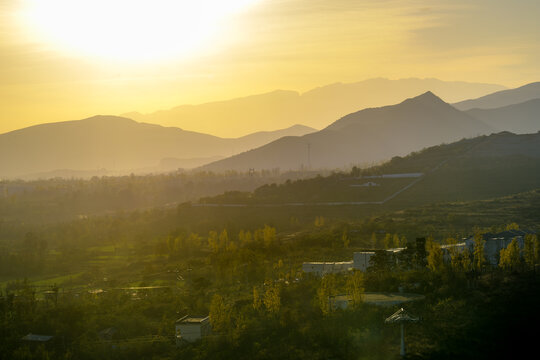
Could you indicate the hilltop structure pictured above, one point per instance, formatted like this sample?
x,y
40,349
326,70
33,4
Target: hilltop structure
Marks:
x,y
191,329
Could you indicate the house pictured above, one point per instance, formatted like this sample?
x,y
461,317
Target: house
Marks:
x,y
37,338
323,268
362,260
495,242
367,184
190,329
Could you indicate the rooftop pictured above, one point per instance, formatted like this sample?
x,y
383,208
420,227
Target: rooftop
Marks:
x,y
192,319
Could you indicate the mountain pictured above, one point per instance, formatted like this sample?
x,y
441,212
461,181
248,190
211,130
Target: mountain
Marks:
x,y
502,98
520,118
317,107
366,136
118,144
477,168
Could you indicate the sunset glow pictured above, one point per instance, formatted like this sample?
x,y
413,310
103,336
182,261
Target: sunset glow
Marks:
x,y
130,30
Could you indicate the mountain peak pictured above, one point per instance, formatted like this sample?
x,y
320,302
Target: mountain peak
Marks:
x,y
426,98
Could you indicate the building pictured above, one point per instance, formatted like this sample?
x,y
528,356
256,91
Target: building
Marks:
x,y
495,242
190,329
362,260
37,338
367,184
323,268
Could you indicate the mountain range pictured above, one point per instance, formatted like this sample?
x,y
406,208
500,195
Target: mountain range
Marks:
x,y
502,98
367,136
112,145
117,144
316,108
478,168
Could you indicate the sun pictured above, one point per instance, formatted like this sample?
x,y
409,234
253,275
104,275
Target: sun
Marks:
x,y
132,30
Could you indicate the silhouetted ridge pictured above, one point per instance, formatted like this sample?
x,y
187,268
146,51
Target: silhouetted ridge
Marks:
x,y
426,98
502,98
118,144
365,136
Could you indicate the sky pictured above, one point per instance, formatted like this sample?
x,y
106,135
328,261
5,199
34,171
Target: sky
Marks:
x,y
64,60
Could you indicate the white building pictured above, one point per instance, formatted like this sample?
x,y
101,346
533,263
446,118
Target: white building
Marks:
x,y
361,260
496,242
323,268
191,329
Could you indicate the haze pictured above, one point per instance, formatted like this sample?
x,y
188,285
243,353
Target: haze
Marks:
x,y
262,46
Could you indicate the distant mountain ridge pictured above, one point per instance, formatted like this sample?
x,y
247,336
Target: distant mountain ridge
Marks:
x,y
502,98
476,168
519,118
316,108
116,144
366,136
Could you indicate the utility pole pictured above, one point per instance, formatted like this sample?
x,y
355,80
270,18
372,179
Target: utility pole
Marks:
x,y
401,317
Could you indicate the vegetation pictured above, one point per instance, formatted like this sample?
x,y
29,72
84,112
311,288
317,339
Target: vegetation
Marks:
x,y
111,286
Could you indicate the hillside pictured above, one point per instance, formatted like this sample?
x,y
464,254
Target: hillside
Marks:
x,y
116,145
519,118
502,98
316,108
366,136
471,169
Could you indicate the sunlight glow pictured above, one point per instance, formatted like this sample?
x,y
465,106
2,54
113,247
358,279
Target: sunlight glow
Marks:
x,y
132,30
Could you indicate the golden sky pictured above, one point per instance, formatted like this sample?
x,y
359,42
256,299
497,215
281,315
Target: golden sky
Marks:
x,y
158,56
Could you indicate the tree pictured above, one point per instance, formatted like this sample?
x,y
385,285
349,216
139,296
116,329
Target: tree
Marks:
x,y
510,257
269,236
479,252
466,261
345,239
257,301
455,254
512,226
435,260
374,240
319,221
396,242
325,290
530,250
272,298
224,239
355,287
387,241
220,316
213,241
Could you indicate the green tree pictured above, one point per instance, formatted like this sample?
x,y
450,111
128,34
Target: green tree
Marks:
x,y
257,301
220,314
387,241
223,239
272,297
512,226
319,221
435,260
396,242
479,252
345,239
269,236
530,250
466,261
355,287
326,289
374,241
403,241
510,257
455,254
213,241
